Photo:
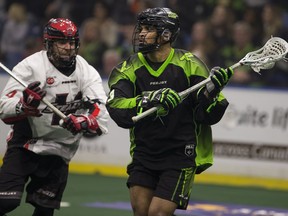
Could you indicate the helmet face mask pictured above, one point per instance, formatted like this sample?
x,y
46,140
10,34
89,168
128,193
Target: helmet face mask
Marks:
x,y
163,20
145,38
61,40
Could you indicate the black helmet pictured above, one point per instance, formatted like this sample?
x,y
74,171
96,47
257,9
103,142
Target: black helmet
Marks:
x,y
60,29
164,20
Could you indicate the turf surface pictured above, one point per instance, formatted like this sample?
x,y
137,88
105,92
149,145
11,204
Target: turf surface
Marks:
x,y
83,189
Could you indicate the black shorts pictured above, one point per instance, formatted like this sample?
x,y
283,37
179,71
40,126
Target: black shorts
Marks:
x,y
47,176
173,185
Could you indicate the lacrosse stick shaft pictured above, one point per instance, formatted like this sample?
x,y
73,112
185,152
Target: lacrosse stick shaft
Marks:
x,y
274,50
51,106
54,109
186,92
12,75
182,94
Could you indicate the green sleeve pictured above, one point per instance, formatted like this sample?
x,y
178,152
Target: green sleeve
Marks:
x,y
121,102
204,149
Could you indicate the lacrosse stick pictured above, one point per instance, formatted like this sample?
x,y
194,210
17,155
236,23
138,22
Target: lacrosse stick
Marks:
x,y
264,58
51,106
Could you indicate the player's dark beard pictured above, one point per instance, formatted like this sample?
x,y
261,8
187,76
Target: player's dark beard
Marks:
x,y
139,44
65,66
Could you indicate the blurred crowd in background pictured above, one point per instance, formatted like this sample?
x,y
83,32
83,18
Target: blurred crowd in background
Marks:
x,y
220,32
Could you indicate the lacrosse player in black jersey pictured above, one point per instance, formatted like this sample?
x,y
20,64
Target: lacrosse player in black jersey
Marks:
x,y
169,147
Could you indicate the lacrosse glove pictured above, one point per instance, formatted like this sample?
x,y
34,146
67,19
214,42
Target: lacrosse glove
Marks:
x,y
165,99
81,123
30,101
219,78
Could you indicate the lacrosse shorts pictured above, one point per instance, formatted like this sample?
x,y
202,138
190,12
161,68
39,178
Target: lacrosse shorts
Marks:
x,y
46,176
173,185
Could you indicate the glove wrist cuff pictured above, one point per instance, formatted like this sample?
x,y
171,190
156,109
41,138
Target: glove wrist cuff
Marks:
x,y
93,126
206,98
19,107
143,103
211,91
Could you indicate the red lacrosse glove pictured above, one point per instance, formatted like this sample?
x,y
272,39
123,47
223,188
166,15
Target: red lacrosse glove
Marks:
x,y
81,123
30,101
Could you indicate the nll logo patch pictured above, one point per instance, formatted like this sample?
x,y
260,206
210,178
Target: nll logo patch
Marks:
x,y
189,150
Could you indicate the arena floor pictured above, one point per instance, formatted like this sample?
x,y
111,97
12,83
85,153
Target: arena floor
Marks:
x,y
99,195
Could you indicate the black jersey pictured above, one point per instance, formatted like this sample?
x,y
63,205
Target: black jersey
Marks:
x,y
183,137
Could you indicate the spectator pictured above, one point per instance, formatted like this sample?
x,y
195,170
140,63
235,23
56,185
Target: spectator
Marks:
x,y
272,22
230,54
191,12
124,45
92,47
57,8
17,29
107,26
252,16
124,13
221,21
273,25
110,59
267,18
201,42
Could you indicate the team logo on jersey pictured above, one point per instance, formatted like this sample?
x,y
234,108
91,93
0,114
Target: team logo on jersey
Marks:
x,y
50,80
189,150
64,106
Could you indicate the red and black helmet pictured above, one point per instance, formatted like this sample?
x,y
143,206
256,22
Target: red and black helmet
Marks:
x,y
60,29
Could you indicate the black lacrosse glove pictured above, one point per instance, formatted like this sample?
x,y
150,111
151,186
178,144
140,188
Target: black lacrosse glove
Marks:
x,y
81,123
165,99
30,101
219,78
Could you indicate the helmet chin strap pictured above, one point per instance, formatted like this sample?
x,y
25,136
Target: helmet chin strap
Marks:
x,y
155,46
162,39
166,34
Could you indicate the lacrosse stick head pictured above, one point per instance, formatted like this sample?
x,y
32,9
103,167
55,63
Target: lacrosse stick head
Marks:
x,y
274,50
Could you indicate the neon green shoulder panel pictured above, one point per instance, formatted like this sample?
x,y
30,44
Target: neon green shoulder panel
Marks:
x,y
204,149
191,65
125,70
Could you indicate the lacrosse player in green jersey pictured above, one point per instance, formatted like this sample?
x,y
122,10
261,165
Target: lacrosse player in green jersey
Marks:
x,y
169,147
